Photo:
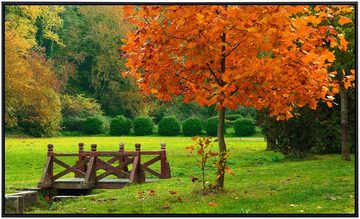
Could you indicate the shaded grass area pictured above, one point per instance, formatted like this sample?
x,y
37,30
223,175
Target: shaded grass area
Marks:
x,y
264,182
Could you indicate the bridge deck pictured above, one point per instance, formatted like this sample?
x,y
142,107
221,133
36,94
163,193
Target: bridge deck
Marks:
x,y
78,183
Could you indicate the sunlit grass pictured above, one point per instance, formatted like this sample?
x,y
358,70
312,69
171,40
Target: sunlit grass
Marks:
x,y
264,182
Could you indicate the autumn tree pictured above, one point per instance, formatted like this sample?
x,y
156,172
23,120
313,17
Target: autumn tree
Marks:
x,y
31,92
339,26
259,56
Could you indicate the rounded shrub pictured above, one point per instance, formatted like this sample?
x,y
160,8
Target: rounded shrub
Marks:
x,y
94,125
192,126
143,125
120,125
211,126
169,126
244,127
73,123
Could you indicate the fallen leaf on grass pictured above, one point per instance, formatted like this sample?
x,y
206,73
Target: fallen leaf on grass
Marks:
x,y
333,198
301,211
179,199
318,207
173,192
213,204
151,192
193,179
166,206
83,209
293,205
237,198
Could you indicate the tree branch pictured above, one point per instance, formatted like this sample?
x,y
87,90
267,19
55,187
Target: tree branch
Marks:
x,y
213,74
186,79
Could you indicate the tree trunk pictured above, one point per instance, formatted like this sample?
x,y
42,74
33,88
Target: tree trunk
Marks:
x,y
270,144
222,149
345,149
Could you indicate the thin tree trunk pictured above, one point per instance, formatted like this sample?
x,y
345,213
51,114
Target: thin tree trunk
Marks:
x,y
345,149
222,149
270,144
221,124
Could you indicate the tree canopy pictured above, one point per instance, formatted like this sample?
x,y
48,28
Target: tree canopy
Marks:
x,y
262,56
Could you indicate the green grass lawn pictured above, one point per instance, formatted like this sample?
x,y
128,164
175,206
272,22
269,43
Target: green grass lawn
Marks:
x,y
264,182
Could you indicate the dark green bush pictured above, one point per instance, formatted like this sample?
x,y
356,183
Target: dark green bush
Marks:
x,y
120,125
211,126
94,125
169,126
192,126
143,125
244,127
73,123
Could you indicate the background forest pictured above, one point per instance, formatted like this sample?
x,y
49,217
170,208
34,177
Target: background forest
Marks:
x,y
63,77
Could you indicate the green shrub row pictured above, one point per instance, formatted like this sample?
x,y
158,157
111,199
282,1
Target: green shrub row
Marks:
x,y
143,125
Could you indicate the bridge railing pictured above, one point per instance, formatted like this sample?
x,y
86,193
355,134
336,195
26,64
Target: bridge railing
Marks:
x,y
89,163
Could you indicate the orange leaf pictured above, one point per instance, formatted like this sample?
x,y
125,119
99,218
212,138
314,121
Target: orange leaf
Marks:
x,y
213,204
343,42
344,20
227,169
329,104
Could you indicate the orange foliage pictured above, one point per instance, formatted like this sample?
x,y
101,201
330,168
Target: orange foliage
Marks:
x,y
259,56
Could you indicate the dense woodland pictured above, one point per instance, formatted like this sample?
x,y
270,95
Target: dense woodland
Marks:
x,y
63,68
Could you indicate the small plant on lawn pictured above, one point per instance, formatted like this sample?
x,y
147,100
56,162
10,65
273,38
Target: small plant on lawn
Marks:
x,y
203,149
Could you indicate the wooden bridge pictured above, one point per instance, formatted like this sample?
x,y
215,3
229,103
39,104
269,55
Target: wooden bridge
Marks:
x,y
126,166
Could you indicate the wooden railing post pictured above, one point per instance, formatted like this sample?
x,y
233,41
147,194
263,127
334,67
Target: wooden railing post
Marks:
x,y
137,173
90,176
47,178
165,167
80,160
123,158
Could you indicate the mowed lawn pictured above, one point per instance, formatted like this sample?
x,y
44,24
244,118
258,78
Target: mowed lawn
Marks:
x,y
264,182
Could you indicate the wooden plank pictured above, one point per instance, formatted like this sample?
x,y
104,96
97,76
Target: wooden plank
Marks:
x,y
91,171
152,171
98,153
134,169
106,166
112,160
150,152
109,172
149,162
70,154
80,173
114,153
68,167
45,176
120,167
